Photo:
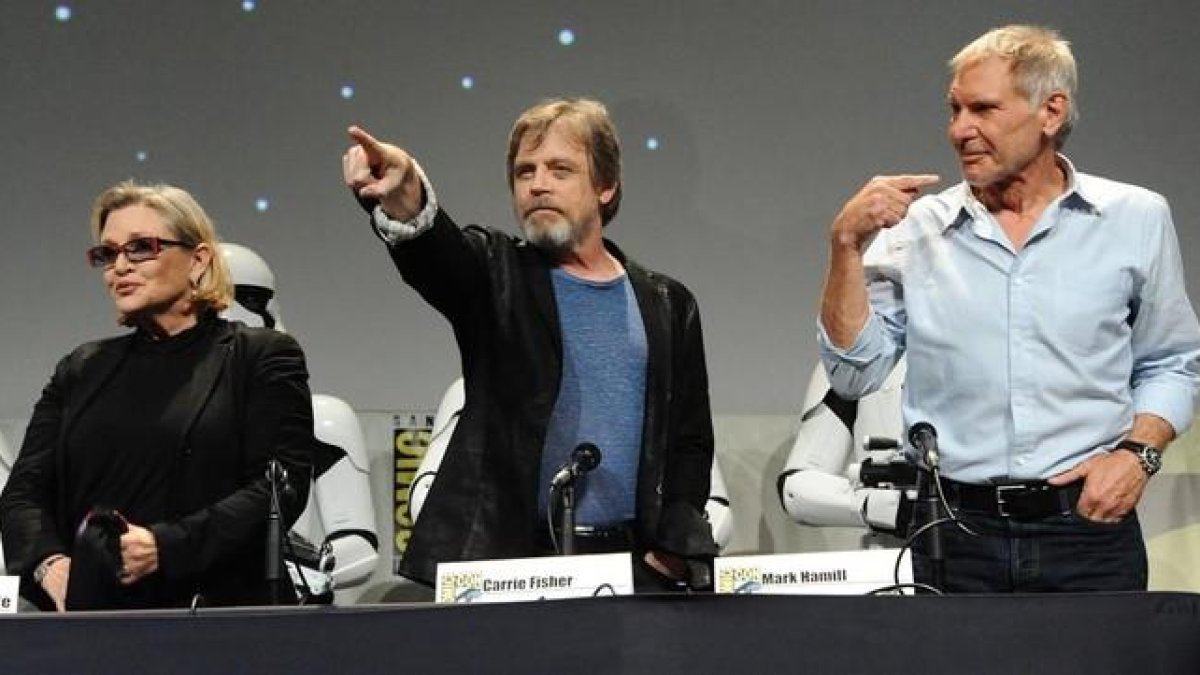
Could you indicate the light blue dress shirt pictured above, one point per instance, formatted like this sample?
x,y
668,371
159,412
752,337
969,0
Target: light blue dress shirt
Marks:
x,y
1028,361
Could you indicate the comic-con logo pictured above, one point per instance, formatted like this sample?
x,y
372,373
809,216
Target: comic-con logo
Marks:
x,y
462,587
739,580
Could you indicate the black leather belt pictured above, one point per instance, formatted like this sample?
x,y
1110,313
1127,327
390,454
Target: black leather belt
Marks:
x,y
591,539
1021,501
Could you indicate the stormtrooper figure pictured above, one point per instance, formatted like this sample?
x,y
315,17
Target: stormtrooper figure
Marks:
x,y
333,545
821,483
720,517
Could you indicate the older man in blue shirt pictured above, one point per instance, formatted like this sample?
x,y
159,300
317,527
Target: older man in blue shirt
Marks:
x,y
1049,335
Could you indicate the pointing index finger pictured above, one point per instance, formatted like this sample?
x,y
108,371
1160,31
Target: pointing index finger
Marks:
x,y
914,182
368,143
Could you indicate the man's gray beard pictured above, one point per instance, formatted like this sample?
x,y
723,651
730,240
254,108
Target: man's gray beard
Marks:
x,y
557,237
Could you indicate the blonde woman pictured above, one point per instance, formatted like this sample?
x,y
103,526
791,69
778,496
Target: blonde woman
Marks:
x,y
160,437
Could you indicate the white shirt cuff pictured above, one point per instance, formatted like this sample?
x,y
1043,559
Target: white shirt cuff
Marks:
x,y
395,232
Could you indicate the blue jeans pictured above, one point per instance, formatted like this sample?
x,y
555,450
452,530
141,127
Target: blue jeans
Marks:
x,y
1057,553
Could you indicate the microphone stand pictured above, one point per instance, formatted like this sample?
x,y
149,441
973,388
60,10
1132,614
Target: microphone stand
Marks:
x,y
933,515
566,519
584,458
274,534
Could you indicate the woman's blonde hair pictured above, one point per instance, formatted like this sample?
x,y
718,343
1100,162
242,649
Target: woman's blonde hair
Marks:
x,y
186,221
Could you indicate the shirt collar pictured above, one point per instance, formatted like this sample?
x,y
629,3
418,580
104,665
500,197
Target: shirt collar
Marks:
x,y
1075,197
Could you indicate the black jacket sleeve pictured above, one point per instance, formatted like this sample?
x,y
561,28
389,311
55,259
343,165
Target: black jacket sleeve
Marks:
x,y
276,422
29,502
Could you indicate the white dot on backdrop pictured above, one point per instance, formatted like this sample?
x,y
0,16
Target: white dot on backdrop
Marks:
x,y
652,143
347,91
468,82
566,37
248,5
262,204
62,13
142,155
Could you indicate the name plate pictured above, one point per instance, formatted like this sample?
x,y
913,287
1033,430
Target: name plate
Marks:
x,y
9,589
826,573
525,579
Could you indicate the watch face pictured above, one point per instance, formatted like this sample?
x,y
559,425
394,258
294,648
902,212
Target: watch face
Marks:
x,y
1151,460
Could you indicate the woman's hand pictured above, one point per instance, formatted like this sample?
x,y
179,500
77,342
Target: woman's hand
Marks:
x,y
54,582
139,554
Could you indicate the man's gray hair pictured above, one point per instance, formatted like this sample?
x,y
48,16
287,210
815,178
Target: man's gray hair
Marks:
x,y
1040,61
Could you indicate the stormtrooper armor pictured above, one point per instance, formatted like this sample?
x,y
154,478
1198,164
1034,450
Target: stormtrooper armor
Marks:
x,y
334,544
821,482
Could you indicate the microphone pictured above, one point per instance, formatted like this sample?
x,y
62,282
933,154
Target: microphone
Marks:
x,y
584,458
277,476
924,438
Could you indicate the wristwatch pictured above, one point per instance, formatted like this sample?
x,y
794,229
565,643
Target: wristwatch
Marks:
x,y
1148,455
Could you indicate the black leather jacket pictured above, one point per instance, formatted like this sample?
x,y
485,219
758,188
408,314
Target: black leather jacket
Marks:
x,y
246,402
497,294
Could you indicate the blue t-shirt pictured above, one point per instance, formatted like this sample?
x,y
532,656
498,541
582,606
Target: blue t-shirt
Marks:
x,y
601,395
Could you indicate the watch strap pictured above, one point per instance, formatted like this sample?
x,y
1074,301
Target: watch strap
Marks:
x,y
1149,456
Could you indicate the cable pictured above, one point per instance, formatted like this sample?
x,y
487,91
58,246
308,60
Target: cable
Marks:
x,y
550,521
951,517
916,585
908,545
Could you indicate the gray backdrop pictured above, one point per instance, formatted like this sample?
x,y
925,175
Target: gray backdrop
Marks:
x,y
767,115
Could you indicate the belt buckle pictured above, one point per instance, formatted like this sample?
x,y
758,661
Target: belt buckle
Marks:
x,y
1001,502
